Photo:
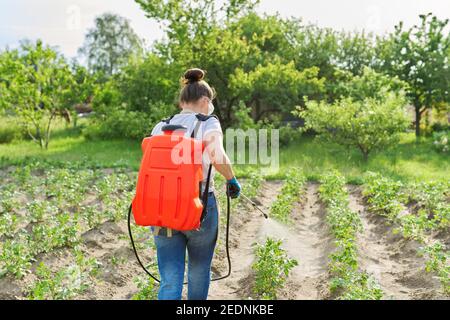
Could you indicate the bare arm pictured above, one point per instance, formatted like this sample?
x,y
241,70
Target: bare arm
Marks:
x,y
217,154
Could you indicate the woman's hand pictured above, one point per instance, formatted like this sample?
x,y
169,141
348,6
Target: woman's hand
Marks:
x,y
233,188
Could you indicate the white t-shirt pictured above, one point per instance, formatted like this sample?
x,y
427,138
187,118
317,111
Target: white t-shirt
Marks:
x,y
188,119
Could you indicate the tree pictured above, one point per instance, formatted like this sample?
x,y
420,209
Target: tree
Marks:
x,y
327,49
85,85
110,44
198,34
185,19
355,51
35,84
269,36
368,114
80,97
242,51
148,81
420,57
367,125
370,84
275,88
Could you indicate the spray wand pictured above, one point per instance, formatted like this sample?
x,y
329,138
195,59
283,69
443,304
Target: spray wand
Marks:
x,y
255,205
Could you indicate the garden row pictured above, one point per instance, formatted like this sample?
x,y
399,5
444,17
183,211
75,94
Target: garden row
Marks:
x,y
418,211
348,280
428,214
45,210
272,265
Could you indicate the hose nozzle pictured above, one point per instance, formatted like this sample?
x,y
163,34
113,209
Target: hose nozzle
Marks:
x,y
255,205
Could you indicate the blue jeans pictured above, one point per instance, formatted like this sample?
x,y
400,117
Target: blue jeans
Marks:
x,y
200,246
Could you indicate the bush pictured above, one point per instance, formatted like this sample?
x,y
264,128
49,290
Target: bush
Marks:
x,y
10,130
243,120
441,141
368,125
288,134
440,126
121,123
115,118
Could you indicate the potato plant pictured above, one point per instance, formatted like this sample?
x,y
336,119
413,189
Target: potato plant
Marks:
x,y
92,216
290,193
272,267
432,200
8,201
57,215
67,282
15,256
147,289
438,262
386,196
348,281
253,183
8,224
59,231
40,211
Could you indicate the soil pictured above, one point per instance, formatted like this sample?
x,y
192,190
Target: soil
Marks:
x,y
393,261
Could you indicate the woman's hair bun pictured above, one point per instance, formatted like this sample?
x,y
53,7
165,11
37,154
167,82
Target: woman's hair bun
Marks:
x,y
194,75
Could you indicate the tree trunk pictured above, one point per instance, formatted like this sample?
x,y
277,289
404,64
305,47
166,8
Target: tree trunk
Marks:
x,y
39,137
47,133
366,156
365,152
75,120
418,118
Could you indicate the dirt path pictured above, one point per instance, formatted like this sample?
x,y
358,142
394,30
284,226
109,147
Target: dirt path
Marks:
x,y
306,240
243,238
392,260
310,243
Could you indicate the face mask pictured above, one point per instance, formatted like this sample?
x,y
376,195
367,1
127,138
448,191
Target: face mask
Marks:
x,y
210,108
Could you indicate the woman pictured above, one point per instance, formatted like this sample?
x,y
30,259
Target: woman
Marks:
x,y
195,98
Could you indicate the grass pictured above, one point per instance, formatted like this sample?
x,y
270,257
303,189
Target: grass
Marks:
x,y
408,161
114,153
67,145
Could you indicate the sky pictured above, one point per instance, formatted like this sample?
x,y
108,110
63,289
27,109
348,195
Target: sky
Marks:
x,y
64,23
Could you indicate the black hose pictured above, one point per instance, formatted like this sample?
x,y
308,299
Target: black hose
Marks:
x,y
134,247
226,245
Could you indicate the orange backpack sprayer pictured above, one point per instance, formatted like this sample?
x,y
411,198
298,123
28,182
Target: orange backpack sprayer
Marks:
x,y
168,191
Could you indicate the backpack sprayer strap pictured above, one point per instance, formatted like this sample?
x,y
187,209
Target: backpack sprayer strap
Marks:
x,y
202,118
167,121
206,194
196,128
